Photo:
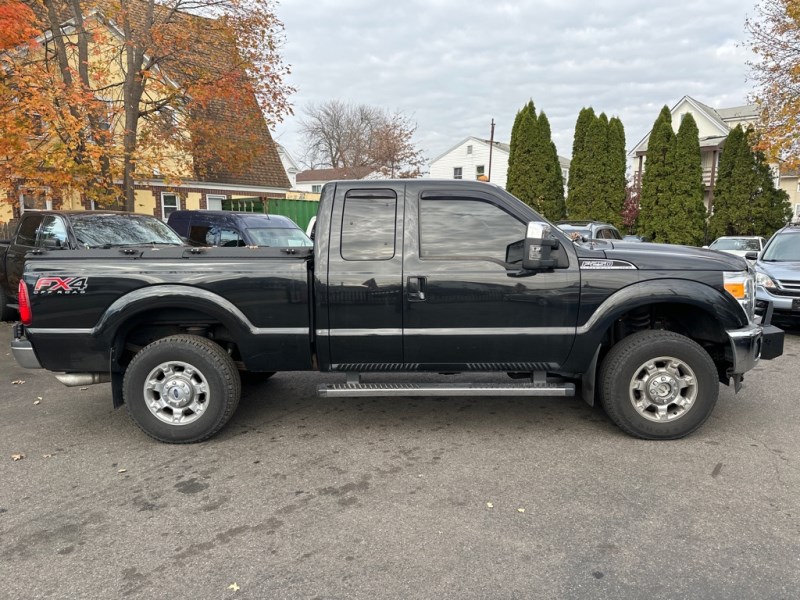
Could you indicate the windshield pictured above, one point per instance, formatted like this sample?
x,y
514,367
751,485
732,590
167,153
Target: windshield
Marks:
x,y
745,245
122,230
283,237
783,248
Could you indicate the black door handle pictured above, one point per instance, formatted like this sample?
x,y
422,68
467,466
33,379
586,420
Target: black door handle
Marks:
x,y
416,288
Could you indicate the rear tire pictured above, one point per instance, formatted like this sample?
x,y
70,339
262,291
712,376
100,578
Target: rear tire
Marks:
x,y
181,389
658,385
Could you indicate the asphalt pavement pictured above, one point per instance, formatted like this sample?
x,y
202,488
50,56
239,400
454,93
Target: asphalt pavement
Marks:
x,y
302,497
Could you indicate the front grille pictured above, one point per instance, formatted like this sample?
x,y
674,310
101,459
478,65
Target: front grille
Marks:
x,y
787,287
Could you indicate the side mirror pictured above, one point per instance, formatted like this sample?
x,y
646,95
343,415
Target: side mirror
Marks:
x,y
539,242
752,255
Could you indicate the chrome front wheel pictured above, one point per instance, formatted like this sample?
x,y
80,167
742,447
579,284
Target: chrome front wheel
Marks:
x,y
658,385
663,389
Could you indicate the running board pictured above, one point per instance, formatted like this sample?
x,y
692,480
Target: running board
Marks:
x,y
372,390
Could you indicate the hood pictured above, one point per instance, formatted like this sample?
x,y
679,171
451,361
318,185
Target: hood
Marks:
x,y
780,270
662,257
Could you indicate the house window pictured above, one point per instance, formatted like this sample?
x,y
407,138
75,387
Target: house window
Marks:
x,y
469,149
478,171
457,173
35,199
316,189
214,202
169,204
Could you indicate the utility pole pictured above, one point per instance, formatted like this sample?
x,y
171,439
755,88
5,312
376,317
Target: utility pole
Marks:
x,y
491,147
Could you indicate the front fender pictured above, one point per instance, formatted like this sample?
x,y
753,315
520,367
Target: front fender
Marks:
x,y
695,295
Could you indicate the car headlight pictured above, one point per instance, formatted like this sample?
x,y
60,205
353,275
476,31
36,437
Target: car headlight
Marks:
x,y
741,285
763,280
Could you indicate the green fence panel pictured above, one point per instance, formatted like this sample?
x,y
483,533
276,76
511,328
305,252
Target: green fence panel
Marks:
x,y
299,211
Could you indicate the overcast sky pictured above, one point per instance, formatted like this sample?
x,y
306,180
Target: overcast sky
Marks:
x,y
453,65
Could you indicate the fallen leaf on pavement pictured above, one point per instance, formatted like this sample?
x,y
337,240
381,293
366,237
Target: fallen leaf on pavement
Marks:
x,y
17,456
47,456
122,471
234,586
489,505
18,382
521,510
35,402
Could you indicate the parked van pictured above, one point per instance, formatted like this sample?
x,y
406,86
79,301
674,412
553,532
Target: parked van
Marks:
x,y
225,228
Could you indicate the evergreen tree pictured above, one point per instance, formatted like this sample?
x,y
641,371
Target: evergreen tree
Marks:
x,y
534,173
735,185
617,188
579,194
688,219
523,135
746,200
548,183
657,180
596,170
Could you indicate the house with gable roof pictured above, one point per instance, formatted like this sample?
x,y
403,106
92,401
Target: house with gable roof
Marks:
x,y
714,125
471,159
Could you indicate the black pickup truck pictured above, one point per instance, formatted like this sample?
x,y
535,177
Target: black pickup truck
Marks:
x,y
405,276
61,230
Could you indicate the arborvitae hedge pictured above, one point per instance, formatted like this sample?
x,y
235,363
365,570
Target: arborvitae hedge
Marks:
x,y
534,174
687,221
746,201
579,193
657,180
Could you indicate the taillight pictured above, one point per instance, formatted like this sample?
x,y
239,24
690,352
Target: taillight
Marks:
x,y
25,314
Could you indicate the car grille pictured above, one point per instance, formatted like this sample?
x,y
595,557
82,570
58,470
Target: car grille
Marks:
x,y
787,287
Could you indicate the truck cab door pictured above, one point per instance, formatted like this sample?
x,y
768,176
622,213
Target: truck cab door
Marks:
x,y
465,308
360,304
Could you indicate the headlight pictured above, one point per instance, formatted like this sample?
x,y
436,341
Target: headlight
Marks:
x,y
741,285
763,280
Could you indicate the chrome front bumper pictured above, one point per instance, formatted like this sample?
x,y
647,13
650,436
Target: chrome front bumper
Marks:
x,y
752,343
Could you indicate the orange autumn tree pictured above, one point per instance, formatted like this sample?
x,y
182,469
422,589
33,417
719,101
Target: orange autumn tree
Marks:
x,y
177,89
775,39
42,141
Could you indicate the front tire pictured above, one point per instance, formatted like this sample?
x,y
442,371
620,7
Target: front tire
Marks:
x,y
658,385
181,389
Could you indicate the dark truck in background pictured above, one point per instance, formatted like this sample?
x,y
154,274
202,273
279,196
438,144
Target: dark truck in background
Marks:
x,y
405,276
38,231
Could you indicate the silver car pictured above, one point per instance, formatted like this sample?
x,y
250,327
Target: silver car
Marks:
x,y
778,275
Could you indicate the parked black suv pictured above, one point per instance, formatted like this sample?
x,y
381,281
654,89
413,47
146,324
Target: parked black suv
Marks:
x,y
590,229
231,229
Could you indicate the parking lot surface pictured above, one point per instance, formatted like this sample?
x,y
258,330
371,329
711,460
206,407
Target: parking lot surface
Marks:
x,y
301,497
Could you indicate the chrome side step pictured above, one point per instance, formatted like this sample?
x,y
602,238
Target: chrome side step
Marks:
x,y
374,390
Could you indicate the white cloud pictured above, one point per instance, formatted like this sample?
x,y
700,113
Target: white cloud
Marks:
x,y
456,64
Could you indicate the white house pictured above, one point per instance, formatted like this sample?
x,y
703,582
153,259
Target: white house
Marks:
x,y
714,125
469,159
289,165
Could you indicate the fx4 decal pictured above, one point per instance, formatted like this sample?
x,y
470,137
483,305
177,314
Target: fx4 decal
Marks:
x,y
61,285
